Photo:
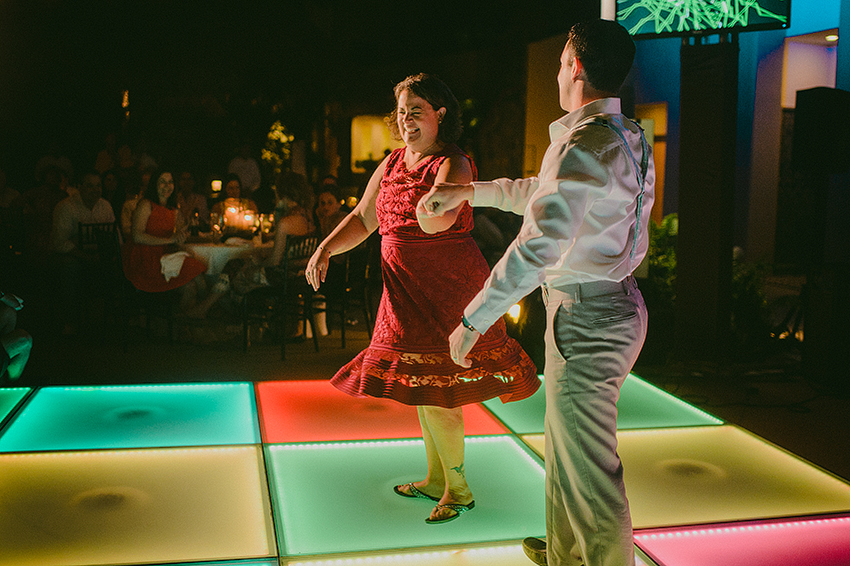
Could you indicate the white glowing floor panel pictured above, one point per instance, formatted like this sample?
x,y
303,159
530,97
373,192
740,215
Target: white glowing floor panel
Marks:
x,y
717,474
138,416
131,507
336,498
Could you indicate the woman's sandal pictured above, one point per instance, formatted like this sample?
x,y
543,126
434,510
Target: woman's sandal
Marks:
x,y
458,508
413,492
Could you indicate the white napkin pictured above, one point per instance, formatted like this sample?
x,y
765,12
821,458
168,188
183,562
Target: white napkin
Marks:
x,y
172,264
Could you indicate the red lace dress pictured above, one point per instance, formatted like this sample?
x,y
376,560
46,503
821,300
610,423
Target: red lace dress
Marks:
x,y
428,281
142,262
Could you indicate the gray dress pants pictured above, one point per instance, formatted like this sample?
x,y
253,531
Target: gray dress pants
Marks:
x,y
594,334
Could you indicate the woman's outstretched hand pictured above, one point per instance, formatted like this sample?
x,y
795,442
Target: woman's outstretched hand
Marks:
x,y
317,267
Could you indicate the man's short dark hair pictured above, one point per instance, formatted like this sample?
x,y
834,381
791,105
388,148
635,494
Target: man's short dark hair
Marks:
x,y
606,51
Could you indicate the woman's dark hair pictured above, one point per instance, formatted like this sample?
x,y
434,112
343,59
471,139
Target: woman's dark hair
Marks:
x,y
295,187
438,95
231,177
152,194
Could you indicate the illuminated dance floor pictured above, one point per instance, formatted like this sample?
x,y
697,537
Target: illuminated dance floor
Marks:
x,y
295,472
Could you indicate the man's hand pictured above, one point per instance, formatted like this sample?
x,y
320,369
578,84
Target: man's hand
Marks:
x,y
444,197
461,341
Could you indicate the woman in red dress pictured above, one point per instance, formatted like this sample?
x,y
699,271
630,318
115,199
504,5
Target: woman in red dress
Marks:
x,y
431,269
157,230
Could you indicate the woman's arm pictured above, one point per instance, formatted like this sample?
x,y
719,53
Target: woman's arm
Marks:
x,y
457,170
351,232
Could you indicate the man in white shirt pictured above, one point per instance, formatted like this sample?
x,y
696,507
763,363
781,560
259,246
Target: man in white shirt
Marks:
x,y
86,206
248,170
585,220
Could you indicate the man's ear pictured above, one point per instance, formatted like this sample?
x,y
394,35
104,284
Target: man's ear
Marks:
x,y
577,68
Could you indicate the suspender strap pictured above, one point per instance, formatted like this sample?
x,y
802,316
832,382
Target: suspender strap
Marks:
x,y
640,170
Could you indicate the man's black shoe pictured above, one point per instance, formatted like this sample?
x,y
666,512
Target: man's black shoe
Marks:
x,y
535,549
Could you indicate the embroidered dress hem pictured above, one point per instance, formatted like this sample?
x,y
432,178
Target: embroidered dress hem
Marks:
x,y
416,378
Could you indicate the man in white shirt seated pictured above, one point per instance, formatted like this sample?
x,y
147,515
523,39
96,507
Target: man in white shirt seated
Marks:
x,y
87,206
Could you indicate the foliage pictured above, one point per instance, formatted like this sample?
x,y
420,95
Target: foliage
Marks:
x,y
662,260
278,150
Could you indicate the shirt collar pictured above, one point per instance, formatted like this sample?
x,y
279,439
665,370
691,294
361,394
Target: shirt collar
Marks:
x,y
566,123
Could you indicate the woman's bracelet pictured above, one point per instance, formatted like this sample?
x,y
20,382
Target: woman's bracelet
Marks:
x,y
466,324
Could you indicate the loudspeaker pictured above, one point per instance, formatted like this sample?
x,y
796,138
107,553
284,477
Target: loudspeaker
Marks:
x,y
709,87
821,140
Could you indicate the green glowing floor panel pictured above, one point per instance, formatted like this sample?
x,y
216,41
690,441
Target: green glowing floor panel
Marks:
x,y
717,474
641,405
338,497
84,418
9,399
139,506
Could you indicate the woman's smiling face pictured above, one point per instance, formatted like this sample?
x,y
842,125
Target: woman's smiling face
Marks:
x,y
164,187
418,121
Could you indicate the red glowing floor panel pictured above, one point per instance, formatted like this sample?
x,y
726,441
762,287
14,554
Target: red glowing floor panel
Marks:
x,y
806,542
315,411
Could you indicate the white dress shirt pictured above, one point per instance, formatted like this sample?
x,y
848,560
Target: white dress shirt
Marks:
x,y
67,217
579,214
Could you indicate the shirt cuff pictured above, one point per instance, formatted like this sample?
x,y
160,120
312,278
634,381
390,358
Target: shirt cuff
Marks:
x,y
485,193
479,315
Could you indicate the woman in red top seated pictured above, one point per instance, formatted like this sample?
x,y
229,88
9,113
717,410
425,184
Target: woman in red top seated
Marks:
x,y
157,230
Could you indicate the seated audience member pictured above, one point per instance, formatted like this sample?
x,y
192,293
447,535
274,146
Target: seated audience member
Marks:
x,y
329,209
246,168
107,158
114,191
15,343
151,260
39,203
191,203
232,196
242,275
84,206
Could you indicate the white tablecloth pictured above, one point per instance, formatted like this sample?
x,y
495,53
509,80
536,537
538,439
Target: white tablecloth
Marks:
x,y
216,256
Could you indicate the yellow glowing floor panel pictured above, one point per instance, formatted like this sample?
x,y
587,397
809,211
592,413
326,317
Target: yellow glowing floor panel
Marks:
x,y
128,507
717,474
